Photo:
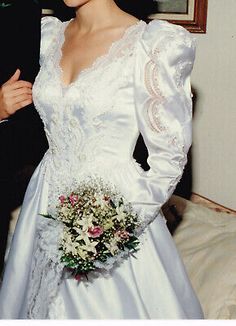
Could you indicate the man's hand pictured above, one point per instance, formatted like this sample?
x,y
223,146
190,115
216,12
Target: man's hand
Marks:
x,y
14,95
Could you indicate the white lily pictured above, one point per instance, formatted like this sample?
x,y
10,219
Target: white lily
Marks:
x,y
83,254
109,224
100,200
120,213
90,246
86,222
112,247
71,248
82,235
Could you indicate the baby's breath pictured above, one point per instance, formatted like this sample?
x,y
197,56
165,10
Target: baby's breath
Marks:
x,y
98,225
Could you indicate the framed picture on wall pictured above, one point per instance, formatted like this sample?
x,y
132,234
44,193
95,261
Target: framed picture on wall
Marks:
x,y
191,14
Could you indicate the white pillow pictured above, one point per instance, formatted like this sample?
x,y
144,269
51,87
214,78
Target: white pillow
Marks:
x,y
207,243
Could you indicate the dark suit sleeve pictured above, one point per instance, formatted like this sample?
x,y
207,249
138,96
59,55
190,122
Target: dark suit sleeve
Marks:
x,y
20,35
22,139
29,46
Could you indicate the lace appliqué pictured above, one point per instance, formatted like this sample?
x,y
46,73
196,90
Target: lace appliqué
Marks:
x,y
156,97
46,269
155,116
180,70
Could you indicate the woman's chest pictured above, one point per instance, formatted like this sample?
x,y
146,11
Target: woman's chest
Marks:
x,y
95,90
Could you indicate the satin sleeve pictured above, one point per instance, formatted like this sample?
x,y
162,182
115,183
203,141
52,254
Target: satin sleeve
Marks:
x,y
163,104
49,27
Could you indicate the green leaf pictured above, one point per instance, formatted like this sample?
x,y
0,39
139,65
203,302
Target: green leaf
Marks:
x,y
48,216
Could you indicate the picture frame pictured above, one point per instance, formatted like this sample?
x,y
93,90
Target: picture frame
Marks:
x,y
192,16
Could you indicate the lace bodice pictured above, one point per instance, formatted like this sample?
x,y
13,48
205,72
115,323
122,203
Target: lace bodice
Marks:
x,y
140,85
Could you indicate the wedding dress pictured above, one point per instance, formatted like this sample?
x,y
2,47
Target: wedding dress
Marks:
x,y
141,85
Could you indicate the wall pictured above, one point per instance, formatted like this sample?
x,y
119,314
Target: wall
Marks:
x,y
214,79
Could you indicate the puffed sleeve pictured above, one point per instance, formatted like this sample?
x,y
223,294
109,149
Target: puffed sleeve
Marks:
x,y
165,57
49,26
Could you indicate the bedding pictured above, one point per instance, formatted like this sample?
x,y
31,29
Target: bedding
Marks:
x,y
206,240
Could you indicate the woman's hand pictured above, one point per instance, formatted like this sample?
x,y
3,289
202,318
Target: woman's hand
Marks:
x,y
14,95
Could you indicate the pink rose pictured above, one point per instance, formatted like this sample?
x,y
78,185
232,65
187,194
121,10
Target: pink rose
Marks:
x,y
95,232
73,199
122,234
62,199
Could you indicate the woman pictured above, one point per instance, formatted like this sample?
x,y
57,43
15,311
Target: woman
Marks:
x,y
105,77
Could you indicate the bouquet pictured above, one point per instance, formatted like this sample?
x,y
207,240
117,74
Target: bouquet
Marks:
x,y
98,226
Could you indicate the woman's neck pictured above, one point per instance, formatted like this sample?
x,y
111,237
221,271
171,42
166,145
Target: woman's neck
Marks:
x,y
96,14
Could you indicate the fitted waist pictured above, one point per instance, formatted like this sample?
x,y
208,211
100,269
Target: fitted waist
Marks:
x,y
88,158
65,173
83,163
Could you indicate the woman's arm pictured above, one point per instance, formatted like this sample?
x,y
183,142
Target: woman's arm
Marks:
x,y
164,111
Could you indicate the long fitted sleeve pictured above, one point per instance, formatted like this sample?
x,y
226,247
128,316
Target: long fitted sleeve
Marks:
x,y
164,110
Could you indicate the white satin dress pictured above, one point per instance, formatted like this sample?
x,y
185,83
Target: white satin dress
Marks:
x,y
142,84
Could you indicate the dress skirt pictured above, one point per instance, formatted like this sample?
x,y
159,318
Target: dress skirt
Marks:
x,y
152,284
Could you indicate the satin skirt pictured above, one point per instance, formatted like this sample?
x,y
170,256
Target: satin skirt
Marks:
x,y
153,284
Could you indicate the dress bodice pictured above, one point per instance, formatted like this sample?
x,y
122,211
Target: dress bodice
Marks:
x,y
93,123
94,116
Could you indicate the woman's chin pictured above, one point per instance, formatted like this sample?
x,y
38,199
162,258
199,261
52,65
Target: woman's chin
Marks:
x,y
75,3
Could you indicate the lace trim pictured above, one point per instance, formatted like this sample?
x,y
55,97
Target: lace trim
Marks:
x,y
46,269
117,49
180,71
